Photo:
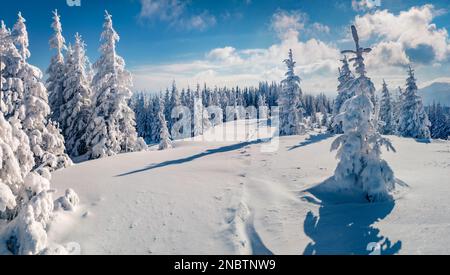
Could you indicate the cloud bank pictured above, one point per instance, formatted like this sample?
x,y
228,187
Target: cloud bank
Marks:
x,y
396,39
317,61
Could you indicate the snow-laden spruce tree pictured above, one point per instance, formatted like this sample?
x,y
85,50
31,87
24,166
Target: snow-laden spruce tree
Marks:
x,y
76,108
345,79
12,89
164,135
3,35
290,102
386,116
55,71
25,203
173,104
46,141
440,121
198,117
155,130
360,166
263,110
396,106
413,120
144,114
112,127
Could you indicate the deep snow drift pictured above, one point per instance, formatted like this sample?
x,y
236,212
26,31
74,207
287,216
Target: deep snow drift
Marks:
x,y
241,197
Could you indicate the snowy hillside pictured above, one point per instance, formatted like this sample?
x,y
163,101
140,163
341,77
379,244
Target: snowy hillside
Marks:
x,y
241,197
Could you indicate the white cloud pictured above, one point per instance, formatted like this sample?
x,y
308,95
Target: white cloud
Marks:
x,y
226,55
321,28
200,22
287,24
175,13
365,5
165,10
411,31
387,54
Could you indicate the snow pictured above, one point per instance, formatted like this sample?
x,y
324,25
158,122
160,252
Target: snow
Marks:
x,y
211,196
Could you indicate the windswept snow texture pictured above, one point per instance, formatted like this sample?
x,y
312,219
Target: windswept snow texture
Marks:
x,y
234,198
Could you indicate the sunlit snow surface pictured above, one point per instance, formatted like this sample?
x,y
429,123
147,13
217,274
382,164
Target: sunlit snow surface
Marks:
x,y
240,196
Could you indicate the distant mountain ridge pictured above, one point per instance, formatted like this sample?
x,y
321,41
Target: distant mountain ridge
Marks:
x,y
438,92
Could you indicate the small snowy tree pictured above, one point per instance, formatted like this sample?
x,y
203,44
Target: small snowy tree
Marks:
x,y
164,135
263,109
313,120
76,109
55,71
413,120
198,117
345,79
112,129
175,102
387,125
155,127
291,110
396,106
360,165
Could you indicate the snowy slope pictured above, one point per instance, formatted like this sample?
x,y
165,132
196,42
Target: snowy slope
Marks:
x,y
240,197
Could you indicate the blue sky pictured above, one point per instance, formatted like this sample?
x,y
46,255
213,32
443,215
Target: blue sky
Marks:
x,y
241,42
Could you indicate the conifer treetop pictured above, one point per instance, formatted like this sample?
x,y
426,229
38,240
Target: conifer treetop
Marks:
x,y
290,63
2,26
109,36
360,67
411,80
57,41
20,35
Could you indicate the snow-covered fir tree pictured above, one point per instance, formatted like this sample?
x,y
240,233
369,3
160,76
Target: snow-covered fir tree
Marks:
x,y
360,166
155,126
112,127
345,79
164,135
144,120
413,120
386,116
76,108
173,104
313,119
324,118
439,117
12,89
290,102
55,71
20,37
263,110
26,203
396,106
46,141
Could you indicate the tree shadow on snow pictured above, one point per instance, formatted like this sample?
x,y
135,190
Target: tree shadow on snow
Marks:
x,y
345,225
423,140
312,139
209,152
